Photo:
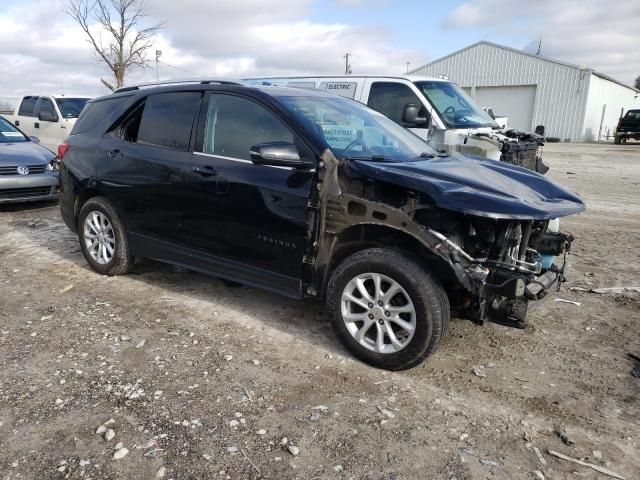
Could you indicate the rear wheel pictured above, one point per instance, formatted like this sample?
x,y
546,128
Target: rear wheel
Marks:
x,y
103,238
617,140
386,309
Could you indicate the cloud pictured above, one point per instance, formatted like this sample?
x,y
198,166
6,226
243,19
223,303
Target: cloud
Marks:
x,y
41,49
600,35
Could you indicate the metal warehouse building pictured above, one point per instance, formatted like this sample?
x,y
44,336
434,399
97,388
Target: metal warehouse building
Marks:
x,y
573,103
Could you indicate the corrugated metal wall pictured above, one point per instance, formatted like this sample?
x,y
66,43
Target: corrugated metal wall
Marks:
x,y
561,90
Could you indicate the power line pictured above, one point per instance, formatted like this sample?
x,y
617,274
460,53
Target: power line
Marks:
x,y
180,69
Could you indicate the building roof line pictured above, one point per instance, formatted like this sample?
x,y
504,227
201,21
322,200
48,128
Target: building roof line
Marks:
x,y
522,52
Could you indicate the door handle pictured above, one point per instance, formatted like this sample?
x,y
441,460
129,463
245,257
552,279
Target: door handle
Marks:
x,y
206,171
36,125
112,153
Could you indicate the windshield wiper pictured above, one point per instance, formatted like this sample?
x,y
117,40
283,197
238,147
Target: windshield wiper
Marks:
x,y
431,156
373,158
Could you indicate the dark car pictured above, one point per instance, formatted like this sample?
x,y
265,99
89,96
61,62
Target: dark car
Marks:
x,y
307,194
28,171
628,127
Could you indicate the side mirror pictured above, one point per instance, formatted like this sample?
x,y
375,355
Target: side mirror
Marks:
x,y
410,116
47,117
277,154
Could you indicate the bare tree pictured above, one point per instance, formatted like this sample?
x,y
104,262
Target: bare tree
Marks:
x,y
120,21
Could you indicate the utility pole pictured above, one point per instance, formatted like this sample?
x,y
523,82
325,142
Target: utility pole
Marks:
x,y
408,63
347,66
158,53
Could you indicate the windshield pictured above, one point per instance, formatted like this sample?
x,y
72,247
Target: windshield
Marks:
x,y
355,131
9,133
454,106
71,107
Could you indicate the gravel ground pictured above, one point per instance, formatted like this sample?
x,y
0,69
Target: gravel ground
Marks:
x,y
191,378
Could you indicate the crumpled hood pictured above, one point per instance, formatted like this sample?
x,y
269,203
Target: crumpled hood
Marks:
x,y
478,186
24,153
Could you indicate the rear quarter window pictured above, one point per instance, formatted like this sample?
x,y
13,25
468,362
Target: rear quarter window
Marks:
x,y
633,115
94,112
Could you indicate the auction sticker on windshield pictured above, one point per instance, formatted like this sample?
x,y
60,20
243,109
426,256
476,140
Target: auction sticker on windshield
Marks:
x,y
11,134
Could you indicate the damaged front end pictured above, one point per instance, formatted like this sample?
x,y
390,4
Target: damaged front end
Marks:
x,y
482,227
509,146
505,264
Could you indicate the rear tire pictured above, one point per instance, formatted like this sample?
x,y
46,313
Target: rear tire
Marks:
x,y
406,326
617,140
103,238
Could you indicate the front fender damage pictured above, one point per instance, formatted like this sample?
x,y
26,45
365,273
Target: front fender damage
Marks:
x,y
340,209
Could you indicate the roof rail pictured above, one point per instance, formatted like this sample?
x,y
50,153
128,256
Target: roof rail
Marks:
x,y
202,81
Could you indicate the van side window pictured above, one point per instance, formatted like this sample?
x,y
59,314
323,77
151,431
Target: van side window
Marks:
x,y
235,124
391,98
27,107
167,119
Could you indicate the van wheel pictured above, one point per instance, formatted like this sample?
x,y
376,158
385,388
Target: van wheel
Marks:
x,y
387,309
103,238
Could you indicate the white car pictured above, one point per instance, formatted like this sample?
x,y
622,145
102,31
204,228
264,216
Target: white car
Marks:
x,y
49,118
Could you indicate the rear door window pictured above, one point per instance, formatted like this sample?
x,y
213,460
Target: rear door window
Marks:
x,y
235,124
46,106
167,119
391,98
28,107
633,115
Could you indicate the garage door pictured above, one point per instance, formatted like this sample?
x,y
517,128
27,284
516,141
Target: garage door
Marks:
x,y
515,102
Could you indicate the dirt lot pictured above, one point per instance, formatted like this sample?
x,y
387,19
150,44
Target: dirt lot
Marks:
x,y
206,380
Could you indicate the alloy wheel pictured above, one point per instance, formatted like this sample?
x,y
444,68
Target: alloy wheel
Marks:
x,y
99,237
378,313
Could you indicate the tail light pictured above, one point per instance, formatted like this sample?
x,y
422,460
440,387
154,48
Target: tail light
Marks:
x,y
62,150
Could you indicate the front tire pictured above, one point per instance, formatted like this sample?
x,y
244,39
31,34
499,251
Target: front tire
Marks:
x,y
103,238
387,309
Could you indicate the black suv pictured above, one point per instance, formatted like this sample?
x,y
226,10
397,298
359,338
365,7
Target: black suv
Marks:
x,y
307,194
628,127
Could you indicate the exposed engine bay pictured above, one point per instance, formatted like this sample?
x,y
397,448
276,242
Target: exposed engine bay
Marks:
x,y
510,146
492,267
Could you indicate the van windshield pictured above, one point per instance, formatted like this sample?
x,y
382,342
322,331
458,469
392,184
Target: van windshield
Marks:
x,y
9,133
455,107
71,107
353,130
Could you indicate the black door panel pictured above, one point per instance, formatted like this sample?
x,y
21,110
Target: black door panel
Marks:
x,y
249,213
148,185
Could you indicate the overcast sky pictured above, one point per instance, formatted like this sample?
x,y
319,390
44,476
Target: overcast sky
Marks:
x,y
41,50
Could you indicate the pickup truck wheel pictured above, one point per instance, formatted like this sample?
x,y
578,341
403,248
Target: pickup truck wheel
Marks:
x,y
617,140
386,308
103,238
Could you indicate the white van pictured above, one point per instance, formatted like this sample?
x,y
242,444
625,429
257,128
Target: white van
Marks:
x,y
50,118
435,109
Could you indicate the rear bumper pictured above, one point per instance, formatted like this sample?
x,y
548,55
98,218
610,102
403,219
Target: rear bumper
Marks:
x,y
28,188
